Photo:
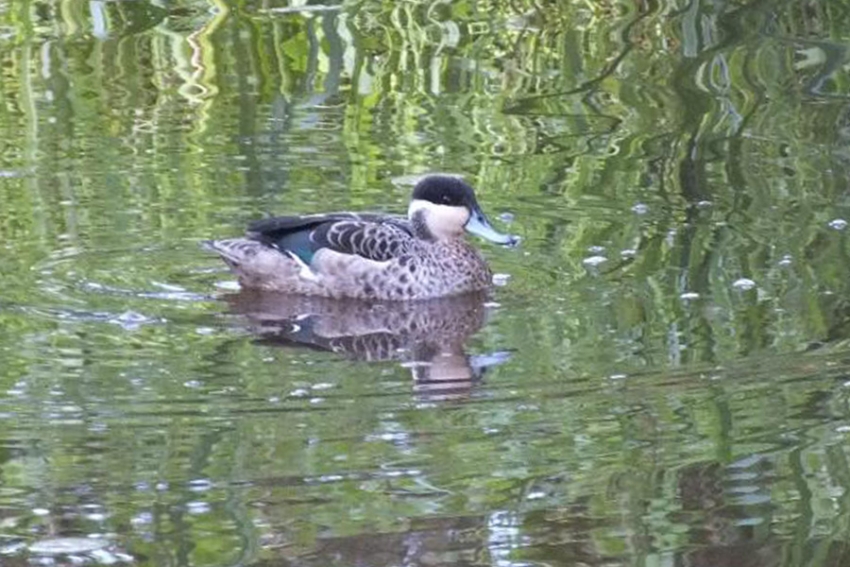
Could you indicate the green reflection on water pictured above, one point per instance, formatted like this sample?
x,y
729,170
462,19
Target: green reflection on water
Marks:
x,y
652,155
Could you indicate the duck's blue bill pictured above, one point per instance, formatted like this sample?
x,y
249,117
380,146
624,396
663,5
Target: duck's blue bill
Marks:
x,y
480,226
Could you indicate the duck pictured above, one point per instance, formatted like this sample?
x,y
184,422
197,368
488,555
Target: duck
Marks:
x,y
373,256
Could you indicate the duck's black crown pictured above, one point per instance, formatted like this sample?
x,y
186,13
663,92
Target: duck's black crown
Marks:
x,y
445,190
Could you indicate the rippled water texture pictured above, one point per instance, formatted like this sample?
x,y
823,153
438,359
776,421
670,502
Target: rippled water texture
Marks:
x,y
662,376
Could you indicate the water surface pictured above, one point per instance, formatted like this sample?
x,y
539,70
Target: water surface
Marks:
x,y
663,377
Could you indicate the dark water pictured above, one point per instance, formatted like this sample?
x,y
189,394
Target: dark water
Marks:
x,y
663,379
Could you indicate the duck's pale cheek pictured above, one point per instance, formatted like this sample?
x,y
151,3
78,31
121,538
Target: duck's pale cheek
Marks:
x,y
443,221
449,222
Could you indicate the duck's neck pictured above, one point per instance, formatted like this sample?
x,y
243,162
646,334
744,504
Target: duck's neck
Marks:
x,y
419,223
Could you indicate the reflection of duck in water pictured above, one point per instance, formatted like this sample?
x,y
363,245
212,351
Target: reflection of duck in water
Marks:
x,y
370,256
426,336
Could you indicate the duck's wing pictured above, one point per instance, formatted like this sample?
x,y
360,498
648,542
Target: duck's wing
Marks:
x,y
374,236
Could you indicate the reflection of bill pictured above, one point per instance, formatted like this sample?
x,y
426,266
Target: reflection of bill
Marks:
x,y
428,337
449,375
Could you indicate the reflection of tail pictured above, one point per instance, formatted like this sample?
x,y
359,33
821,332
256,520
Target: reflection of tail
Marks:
x,y
296,332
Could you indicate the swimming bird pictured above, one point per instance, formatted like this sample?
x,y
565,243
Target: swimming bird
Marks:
x,y
371,255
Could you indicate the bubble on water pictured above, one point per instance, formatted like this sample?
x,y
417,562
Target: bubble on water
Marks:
x,y
41,512
640,209
131,317
837,224
506,217
594,261
501,280
193,383
744,284
689,296
142,519
704,204
130,320
786,260
597,250
628,253
197,507
618,377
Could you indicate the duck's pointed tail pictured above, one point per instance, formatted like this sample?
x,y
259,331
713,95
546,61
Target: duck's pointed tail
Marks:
x,y
234,251
257,264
